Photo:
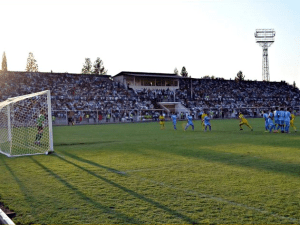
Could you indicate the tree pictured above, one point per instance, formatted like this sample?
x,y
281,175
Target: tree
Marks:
x,y
87,66
4,63
209,77
240,76
294,85
184,73
206,77
176,71
31,66
99,68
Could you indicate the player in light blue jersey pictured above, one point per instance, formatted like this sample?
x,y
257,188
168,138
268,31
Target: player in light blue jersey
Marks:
x,y
265,116
189,123
174,119
271,126
281,119
207,123
271,115
276,117
287,119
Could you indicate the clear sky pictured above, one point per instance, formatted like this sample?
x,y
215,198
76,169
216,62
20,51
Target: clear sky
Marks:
x,y
208,37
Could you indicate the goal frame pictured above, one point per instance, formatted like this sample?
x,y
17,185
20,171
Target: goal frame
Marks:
x,y
13,100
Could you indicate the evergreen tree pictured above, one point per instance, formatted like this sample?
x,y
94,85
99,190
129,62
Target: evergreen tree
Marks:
x,y
31,66
99,68
176,71
4,63
240,76
87,66
184,73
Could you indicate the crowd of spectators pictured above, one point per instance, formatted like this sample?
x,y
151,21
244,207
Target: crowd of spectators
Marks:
x,y
102,96
92,97
199,94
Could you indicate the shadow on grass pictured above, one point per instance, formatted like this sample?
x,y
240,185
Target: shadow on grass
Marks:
x,y
93,163
128,191
26,192
105,209
243,160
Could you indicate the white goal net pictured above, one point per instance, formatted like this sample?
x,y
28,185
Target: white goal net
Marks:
x,y
26,125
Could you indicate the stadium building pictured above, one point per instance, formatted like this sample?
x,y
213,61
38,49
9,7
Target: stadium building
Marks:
x,y
152,81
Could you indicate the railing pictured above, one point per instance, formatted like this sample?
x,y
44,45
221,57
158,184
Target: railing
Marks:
x,y
83,117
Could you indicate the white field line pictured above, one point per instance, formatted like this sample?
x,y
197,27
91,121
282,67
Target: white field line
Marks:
x,y
142,170
159,168
218,199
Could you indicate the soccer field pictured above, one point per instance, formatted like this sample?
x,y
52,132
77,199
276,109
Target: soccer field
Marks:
x,y
136,173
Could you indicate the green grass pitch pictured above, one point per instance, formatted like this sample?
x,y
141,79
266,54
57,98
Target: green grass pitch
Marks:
x,y
138,174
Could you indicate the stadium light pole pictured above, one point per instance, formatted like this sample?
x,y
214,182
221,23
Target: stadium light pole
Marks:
x,y
265,38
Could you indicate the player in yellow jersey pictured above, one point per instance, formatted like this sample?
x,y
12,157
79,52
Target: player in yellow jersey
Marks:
x,y
243,121
162,121
292,121
202,120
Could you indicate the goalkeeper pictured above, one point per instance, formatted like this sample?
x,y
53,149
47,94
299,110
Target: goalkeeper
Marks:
x,y
40,121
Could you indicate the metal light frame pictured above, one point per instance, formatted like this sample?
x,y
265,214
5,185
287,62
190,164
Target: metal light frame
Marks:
x,y
265,38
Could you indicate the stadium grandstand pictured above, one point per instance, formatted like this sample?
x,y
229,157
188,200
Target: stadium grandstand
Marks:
x,y
137,96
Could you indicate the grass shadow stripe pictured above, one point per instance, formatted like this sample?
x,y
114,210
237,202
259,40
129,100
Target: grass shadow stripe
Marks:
x,y
136,195
93,163
104,208
218,199
26,192
243,160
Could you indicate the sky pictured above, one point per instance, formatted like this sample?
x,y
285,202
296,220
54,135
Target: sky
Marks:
x,y
207,37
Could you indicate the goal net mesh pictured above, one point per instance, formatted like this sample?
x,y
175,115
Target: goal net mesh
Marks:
x,y
26,125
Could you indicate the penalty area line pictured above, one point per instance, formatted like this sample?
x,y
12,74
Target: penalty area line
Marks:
x,y
144,170
159,168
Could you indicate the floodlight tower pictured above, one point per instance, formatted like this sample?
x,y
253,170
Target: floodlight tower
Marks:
x,y
265,38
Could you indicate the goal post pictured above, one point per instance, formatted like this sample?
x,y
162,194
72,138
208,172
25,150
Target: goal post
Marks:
x,y
26,125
